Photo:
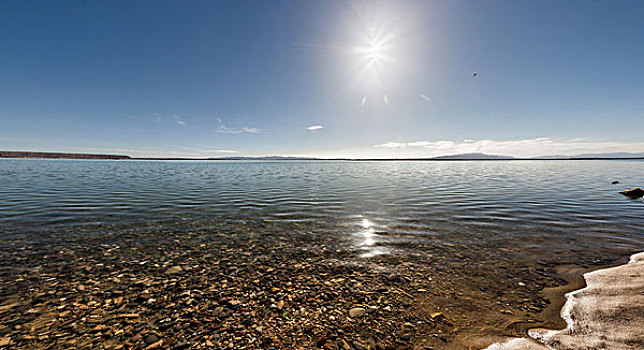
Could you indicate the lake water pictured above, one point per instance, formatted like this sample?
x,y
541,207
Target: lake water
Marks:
x,y
373,208
475,242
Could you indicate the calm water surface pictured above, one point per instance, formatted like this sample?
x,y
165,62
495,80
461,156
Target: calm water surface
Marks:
x,y
538,207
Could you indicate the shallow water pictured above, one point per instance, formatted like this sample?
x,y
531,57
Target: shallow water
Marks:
x,y
476,242
373,207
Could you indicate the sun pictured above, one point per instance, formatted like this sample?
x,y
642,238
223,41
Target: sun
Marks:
x,y
372,58
376,50
376,47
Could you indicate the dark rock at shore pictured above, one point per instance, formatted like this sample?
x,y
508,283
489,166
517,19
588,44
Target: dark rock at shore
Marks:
x,y
633,193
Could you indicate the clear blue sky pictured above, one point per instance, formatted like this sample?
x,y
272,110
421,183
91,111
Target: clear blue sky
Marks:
x,y
389,79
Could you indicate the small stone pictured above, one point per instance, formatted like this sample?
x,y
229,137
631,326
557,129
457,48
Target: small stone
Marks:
x,y
357,312
151,338
321,341
99,328
155,345
181,345
218,311
174,270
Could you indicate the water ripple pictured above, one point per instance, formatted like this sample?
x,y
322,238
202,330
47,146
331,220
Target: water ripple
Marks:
x,y
375,206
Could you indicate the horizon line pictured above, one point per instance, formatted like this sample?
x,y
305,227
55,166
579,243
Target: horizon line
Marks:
x,y
453,157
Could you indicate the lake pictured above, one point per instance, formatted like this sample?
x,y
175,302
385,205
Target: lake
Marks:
x,y
485,237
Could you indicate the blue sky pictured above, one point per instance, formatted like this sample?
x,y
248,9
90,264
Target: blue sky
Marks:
x,y
377,79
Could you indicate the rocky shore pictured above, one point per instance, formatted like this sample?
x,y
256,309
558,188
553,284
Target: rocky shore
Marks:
x,y
274,290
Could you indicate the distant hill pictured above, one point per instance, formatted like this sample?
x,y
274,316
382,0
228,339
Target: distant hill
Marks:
x,y
455,157
615,155
54,155
474,156
611,155
483,156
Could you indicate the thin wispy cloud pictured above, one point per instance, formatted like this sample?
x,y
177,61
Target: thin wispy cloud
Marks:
x,y
468,144
180,121
536,147
225,151
223,129
314,128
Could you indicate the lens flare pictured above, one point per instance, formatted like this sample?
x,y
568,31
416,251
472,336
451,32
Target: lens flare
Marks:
x,y
375,49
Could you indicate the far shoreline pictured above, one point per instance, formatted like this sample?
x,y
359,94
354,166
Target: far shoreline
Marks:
x,y
455,158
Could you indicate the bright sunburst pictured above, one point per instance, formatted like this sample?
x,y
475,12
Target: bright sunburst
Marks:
x,y
377,47
376,50
373,57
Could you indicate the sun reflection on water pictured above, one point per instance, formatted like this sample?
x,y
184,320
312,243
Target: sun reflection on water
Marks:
x,y
367,239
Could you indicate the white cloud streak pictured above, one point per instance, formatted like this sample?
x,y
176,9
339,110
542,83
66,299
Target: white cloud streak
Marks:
x,y
223,129
542,146
251,130
180,121
226,151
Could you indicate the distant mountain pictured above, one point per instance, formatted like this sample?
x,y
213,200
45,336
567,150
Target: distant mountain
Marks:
x,y
615,155
464,156
58,155
474,156
611,155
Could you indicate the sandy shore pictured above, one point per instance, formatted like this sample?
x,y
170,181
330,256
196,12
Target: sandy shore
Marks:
x,y
607,314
